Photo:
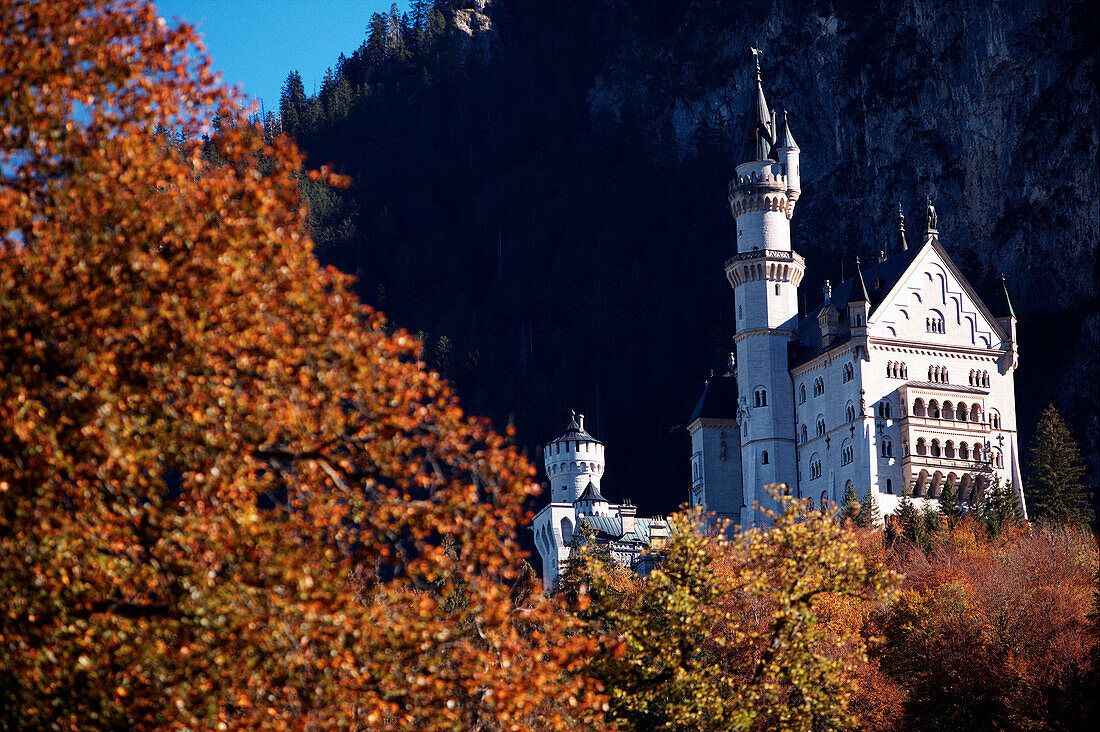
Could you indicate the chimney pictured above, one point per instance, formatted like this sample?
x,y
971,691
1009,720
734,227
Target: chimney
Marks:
x,y
580,422
627,512
658,533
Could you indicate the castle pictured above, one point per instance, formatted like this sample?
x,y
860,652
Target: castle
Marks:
x,y
900,380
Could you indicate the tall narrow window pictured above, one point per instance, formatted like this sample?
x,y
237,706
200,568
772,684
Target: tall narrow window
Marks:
x,y
764,457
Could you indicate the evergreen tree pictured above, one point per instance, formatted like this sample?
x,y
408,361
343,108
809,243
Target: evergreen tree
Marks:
x,y
868,510
931,523
950,508
850,509
1055,489
910,524
292,103
999,509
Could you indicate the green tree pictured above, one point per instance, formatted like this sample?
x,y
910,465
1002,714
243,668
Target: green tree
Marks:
x,y
850,507
732,635
868,510
950,508
1055,489
999,509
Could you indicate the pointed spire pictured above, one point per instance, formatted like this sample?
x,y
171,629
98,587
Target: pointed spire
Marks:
x,y
859,287
759,135
785,138
1006,307
902,244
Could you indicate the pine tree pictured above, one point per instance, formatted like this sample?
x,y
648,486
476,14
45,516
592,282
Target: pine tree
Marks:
x,y
999,509
950,508
850,509
909,522
1055,489
868,510
292,103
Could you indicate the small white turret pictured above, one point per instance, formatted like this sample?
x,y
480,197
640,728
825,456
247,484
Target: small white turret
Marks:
x,y
788,154
573,460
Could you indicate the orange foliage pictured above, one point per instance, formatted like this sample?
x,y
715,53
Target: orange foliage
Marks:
x,y
996,633
204,435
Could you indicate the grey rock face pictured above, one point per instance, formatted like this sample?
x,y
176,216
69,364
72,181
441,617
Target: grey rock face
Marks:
x,y
988,107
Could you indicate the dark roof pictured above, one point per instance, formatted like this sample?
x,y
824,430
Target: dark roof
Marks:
x,y
591,493
859,287
947,387
882,276
575,432
1005,309
718,401
785,138
759,141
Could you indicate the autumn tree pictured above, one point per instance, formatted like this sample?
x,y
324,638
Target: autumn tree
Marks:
x,y
1055,486
231,497
736,634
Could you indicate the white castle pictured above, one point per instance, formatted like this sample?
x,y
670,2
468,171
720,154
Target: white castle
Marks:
x,y
899,382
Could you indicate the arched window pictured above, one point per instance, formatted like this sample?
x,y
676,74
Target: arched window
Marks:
x,y
921,447
918,408
802,394
949,449
819,386
975,413
815,467
764,457
820,426
761,398
935,323
847,454
994,419
824,501
889,486
934,409
805,434
971,380
887,448
850,413
849,372
566,530
948,410
964,451
999,459
884,409
935,449
960,412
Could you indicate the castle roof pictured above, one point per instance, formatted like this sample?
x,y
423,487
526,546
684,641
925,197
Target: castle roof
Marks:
x,y
610,528
591,493
785,138
883,276
718,400
859,287
759,140
575,431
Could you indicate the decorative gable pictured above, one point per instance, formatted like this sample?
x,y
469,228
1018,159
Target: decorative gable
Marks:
x,y
933,303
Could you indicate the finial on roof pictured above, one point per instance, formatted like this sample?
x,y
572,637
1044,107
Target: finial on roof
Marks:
x,y
827,290
1007,306
902,244
756,57
859,287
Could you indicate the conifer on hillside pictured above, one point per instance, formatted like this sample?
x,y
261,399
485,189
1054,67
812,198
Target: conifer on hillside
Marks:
x,y
1055,489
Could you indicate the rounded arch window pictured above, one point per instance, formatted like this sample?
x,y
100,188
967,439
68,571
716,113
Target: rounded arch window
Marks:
x,y
918,408
764,458
566,529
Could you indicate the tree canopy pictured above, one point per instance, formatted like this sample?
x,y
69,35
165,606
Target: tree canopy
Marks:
x,y
1055,485
231,496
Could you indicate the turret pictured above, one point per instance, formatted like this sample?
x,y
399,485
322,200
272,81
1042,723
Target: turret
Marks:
x,y
788,155
1006,318
573,460
859,310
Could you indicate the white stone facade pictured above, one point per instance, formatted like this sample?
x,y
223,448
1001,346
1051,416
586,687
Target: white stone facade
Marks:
x,y
574,464
899,381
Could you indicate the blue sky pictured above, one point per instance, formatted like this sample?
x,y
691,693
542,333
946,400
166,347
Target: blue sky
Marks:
x,y
256,43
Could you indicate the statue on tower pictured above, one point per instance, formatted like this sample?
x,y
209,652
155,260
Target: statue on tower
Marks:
x,y
931,214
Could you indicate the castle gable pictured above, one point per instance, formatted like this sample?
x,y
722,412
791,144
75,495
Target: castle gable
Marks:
x,y
932,302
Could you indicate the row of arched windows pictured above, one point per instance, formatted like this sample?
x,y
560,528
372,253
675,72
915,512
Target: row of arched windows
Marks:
x,y
887,448
850,413
957,412
820,426
849,373
815,468
937,374
846,454
896,370
935,323
884,409
963,452
819,386
979,378
761,397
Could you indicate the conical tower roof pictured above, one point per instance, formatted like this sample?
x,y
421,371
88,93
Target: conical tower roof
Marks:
x,y
859,287
1005,310
759,140
785,138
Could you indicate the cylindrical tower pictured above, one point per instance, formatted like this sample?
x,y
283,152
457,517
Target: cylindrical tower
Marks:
x,y
765,275
573,460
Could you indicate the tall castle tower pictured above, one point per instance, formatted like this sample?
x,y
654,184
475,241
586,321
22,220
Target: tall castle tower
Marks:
x,y
765,274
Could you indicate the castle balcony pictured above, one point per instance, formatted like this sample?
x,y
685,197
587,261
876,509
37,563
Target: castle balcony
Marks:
x,y
775,265
927,475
